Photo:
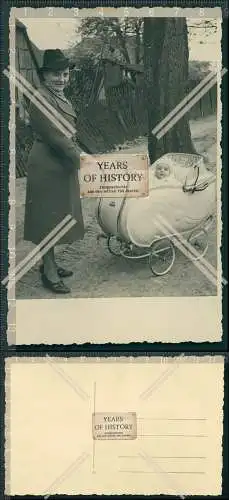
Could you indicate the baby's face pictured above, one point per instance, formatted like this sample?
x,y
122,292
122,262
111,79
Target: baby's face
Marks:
x,y
162,171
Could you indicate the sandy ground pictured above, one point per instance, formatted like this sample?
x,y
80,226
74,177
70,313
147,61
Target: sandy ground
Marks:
x,y
99,274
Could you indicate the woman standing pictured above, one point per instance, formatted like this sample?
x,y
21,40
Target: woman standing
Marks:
x,y
53,190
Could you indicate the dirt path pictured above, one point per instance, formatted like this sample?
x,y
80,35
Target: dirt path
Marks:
x,y
99,274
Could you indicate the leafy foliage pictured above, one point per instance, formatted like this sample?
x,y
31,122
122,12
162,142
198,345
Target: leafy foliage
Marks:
x,y
114,34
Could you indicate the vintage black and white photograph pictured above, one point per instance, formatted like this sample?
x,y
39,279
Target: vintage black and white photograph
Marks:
x,y
124,85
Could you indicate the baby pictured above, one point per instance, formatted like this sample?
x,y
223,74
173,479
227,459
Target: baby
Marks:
x,y
162,171
163,174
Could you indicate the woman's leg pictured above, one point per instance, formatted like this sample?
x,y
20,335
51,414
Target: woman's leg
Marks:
x,y
50,267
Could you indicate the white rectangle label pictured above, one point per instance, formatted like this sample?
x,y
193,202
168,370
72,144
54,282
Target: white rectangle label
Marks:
x,y
114,175
114,425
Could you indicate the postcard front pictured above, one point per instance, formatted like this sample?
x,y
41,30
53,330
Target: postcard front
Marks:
x,y
139,241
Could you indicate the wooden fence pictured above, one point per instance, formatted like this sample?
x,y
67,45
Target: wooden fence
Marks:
x,y
104,125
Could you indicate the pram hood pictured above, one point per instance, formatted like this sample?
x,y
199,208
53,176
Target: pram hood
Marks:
x,y
186,168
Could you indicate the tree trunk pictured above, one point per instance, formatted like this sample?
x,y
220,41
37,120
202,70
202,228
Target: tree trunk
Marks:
x,y
166,69
137,43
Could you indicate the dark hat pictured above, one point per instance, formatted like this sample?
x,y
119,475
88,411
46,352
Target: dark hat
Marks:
x,y
55,60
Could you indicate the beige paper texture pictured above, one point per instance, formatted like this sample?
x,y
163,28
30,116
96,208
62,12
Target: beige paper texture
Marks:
x,y
179,408
183,305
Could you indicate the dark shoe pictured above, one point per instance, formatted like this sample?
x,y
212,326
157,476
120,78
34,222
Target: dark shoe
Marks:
x,y
63,273
57,287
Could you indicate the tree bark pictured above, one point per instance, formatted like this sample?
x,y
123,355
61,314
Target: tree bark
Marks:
x,y
138,43
166,69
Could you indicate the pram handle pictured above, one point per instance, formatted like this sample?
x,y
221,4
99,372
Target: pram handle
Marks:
x,y
194,186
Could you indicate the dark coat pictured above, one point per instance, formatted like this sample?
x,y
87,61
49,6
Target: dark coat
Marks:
x,y
52,184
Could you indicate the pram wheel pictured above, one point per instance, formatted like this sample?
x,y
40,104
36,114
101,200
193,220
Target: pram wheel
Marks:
x,y
162,256
199,241
114,245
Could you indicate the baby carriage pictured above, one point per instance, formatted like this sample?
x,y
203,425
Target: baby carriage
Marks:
x,y
149,227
